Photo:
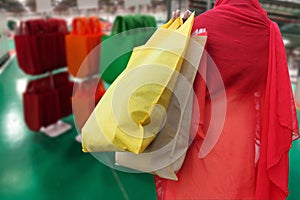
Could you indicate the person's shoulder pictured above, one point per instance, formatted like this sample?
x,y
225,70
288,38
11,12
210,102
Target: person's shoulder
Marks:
x,y
203,19
205,14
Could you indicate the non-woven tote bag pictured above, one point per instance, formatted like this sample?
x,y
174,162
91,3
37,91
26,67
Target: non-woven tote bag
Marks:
x,y
85,36
125,124
165,155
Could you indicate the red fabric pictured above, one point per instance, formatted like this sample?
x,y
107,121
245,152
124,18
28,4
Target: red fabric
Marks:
x,y
41,104
85,97
248,51
45,103
65,90
40,46
280,124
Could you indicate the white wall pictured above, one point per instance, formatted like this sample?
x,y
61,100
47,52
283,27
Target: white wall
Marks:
x,y
3,35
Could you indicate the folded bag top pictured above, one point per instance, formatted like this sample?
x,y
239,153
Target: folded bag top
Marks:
x,y
84,26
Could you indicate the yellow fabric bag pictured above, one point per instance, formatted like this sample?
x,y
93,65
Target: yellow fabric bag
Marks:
x,y
132,111
165,155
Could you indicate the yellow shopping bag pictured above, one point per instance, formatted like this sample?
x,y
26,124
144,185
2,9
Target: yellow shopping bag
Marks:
x,y
132,111
165,155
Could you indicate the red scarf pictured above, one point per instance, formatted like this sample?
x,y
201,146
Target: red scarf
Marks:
x,y
280,124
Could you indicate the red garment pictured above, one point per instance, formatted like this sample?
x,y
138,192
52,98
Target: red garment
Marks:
x,y
248,51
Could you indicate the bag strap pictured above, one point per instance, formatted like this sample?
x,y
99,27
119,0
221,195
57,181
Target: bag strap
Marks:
x,y
80,26
37,26
24,28
168,24
119,25
131,22
176,24
186,28
95,24
62,26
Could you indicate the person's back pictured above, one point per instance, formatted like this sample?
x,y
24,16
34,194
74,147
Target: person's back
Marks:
x,y
238,44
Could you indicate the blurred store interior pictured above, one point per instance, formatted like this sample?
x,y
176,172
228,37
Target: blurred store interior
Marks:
x,y
37,163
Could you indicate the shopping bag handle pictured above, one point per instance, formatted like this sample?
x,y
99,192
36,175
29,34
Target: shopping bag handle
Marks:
x,y
119,25
83,26
167,25
95,24
30,27
24,28
186,27
178,25
62,26
80,26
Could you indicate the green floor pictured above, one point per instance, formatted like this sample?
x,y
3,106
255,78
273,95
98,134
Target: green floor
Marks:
x,y
34,166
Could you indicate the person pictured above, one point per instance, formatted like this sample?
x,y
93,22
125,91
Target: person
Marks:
x,y
250,158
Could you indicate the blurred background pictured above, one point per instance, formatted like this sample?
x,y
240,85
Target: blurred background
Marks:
x,y
42,45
